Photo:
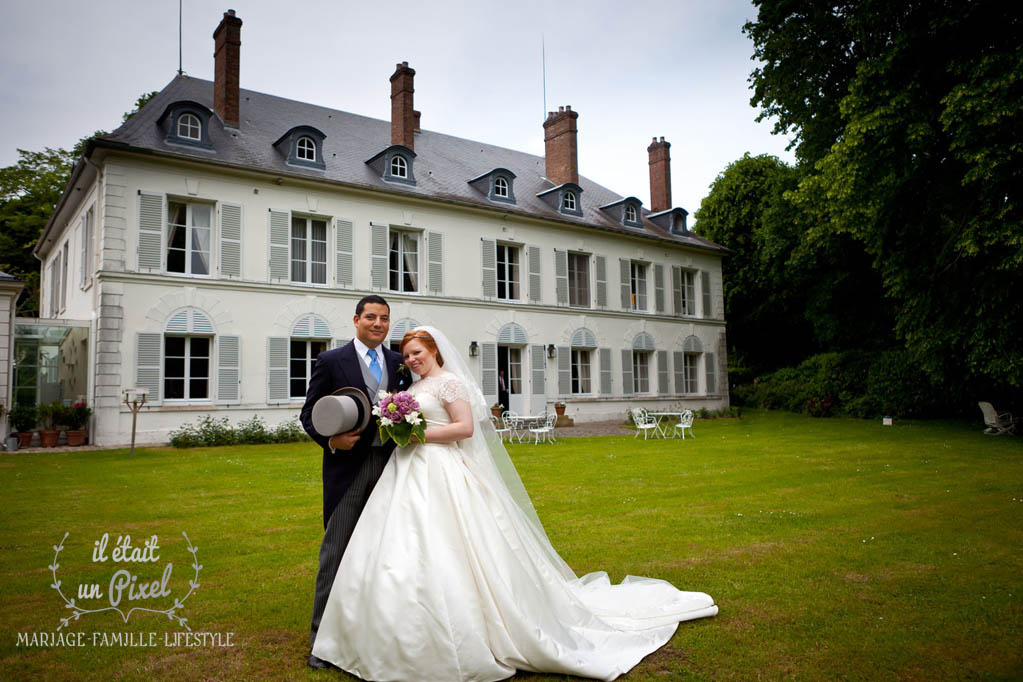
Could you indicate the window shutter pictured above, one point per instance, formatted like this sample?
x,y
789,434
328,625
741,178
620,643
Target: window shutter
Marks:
x,y
280,232
659,287
676,290
488,361
149,365
435,262
564,370
534,273
150,249
230,240
338,343
277,369
488,258
601,268
605,370
561,276
378,255
84,250
712,384
344,273
538,388
662,372
626,273
626,371
680,371
229,377
705,285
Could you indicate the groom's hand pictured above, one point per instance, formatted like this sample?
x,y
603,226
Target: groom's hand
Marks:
x,y
344,441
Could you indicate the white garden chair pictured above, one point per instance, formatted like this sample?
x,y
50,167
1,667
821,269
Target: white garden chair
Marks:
x,y
501,426
643,422
685,422
997,424
545,432
514,424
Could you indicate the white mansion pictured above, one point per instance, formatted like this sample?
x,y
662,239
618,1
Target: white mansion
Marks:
x,y
214,244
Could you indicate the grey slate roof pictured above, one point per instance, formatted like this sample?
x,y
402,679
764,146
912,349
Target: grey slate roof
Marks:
x,y
444,164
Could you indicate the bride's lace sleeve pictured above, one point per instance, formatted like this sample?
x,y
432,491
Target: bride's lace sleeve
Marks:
x,y
451,389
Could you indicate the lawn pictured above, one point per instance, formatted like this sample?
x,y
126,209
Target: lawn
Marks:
x,y
835,548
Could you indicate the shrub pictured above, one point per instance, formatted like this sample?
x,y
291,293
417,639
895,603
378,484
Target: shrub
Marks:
x,y
23,418
210,432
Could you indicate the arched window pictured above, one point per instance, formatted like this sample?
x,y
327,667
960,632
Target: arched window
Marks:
x,y
630,213
305,148
568,201
501,187
189,127
399,167
310,336
187,346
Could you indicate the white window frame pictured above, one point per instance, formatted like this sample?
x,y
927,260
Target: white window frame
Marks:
x,y
641,380
638,284
189,237
308,242
309,361
188,122
501,187
63,274
401,271
85,272
568,201
399,167
305,149
582,371
688,292
630,213
188,369
691,373
584,258
509,283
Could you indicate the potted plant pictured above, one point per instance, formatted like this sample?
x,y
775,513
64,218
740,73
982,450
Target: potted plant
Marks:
x,y
496,409
559,408
23,420
77,417
49,414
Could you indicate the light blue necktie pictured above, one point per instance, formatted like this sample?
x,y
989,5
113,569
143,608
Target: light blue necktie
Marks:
x,y
374,366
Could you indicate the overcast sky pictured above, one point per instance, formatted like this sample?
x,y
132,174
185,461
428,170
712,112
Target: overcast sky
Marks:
x,y
633,70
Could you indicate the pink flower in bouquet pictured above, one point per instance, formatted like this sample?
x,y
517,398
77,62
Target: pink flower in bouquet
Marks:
x,y
399,417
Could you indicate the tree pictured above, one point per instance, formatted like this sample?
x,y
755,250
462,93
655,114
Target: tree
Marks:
x,y
907,118
788,294
29,190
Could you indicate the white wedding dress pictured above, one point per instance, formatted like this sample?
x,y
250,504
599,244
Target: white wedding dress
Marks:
x,y
446,580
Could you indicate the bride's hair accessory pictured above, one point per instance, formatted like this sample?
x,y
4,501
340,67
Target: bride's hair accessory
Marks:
x,y
424,338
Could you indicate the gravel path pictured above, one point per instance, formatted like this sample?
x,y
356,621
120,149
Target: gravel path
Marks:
x,y
611,428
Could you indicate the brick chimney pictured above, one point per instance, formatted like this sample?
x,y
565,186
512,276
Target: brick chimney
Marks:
x,y
403,118
561,155
227,41
417,115
660,175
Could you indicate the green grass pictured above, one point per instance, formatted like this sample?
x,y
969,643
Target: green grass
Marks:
x,y
835,548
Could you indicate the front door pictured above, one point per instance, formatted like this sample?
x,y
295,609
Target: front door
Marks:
x,y
509,366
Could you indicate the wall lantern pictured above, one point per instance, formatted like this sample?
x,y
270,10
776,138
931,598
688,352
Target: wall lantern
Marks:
x,y
551,351
474,349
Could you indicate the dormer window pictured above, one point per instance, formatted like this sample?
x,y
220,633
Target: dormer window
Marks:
x,y
189,127
630,213
305,149
497,185
501,187
399,167
186,123
625,212
395,164
565,199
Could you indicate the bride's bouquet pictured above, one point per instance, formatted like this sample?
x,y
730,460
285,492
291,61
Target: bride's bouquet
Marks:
x,y
400,418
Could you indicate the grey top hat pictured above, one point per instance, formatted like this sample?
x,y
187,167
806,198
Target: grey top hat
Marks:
x,y
346,409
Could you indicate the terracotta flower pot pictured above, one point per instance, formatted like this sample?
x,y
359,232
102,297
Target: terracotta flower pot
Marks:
x,y
559,410
76,437
48,438
24,439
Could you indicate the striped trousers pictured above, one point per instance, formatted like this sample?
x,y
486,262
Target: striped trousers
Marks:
x,y
339,529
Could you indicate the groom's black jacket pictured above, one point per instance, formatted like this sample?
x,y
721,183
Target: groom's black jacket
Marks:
x,y
334,369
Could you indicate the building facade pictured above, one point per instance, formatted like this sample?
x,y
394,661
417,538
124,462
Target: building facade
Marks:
x,y
218,241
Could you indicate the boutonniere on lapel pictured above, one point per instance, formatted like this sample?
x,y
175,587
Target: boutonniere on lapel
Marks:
x,y
403,371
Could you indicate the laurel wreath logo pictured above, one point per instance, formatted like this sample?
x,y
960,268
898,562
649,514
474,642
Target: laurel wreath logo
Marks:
x,y
78,611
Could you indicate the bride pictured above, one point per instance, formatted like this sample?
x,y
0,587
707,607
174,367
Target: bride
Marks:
x,y
449,575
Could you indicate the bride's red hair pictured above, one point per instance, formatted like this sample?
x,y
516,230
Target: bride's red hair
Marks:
x,y
424,338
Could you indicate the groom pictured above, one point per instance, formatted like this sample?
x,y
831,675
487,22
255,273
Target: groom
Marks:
x,y
352,462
